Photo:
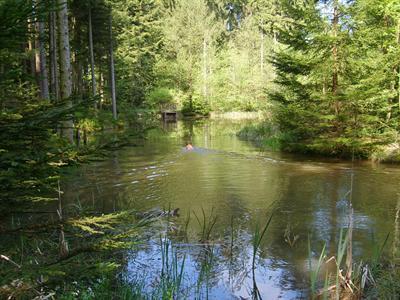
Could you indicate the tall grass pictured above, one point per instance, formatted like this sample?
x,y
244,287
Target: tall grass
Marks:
x,y
257,238
206,225
207,264
348,280
314,270
171,276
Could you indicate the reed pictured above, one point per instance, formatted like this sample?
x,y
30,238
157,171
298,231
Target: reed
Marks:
x,y
315,270
257,238
207,264
172,270
206,224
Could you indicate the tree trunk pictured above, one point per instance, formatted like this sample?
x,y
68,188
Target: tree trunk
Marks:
x,y
398,72
65,65
101,86
335,71
41,64
262,54
77,75
31,49
77,69
36,45
55,90
112,71
92,55
63,244
205,92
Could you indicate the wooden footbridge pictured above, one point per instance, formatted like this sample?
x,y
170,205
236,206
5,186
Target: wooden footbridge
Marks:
x,y
168,112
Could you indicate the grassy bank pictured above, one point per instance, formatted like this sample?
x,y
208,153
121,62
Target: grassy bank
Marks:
x,y
237,115
268,136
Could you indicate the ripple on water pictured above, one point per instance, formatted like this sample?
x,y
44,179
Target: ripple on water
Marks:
x,y
242,184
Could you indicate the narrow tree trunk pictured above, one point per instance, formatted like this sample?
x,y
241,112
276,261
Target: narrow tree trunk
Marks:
x,y
55,90
77,69
390,100
101,87
398,72
63,244
37,61
92,56
65,64
77,75
36,45
75,29
41,63
31,49
112,71
262,54
205,68
335,71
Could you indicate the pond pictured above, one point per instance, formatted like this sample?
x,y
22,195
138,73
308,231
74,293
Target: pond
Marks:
x,y
225,188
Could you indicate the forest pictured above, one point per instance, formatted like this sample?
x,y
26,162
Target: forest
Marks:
x,y
313,86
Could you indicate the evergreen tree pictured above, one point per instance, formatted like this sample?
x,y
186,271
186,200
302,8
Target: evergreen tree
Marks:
x,y
139,42
311,68
374,72
337,75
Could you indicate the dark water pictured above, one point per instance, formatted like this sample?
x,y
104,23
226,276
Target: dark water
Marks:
x,y
241,186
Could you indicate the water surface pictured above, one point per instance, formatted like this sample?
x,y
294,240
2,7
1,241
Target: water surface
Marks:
x,y
239,185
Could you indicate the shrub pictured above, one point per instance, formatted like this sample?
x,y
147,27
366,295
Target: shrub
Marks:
x,y
158,96
198,106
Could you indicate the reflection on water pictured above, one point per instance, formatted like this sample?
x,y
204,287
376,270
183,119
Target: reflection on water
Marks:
x,y
240,185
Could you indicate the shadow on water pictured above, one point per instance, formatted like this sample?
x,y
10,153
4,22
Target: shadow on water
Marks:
x,y
231,180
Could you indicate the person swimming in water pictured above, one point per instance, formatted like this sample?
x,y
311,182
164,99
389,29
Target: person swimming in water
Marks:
x,y
189,146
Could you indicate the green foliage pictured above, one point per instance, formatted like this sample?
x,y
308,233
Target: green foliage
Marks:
x,y
29,159
195,106
336,82
228,68
267,135
70,275
159,96
106,287
387,285
138,35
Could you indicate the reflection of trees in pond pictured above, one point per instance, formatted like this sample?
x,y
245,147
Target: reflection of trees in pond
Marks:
x,y
237,258
169,126
243,187
187,131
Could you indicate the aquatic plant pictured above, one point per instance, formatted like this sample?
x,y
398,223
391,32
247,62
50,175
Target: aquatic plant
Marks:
x,y
290,237
48,261
257,238
206,225
208,261
314,270
171,271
